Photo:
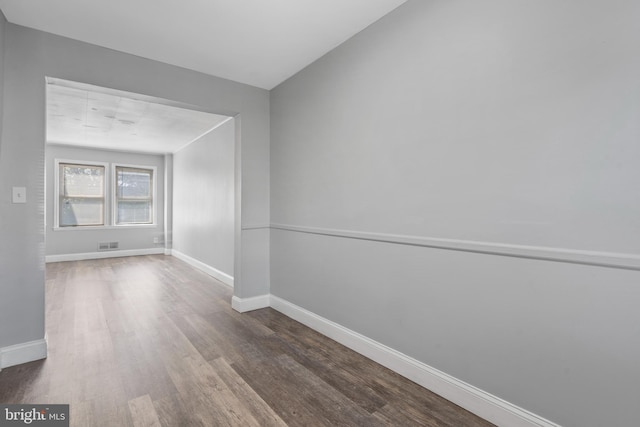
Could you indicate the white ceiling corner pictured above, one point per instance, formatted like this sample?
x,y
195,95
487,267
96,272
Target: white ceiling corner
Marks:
x,y
257,42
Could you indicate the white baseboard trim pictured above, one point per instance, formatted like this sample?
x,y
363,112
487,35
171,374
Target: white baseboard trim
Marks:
x,y
105,254
167,252
243,305
23,353
211,271
481,403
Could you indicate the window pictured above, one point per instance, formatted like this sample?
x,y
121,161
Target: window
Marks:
x,y
81,193
91,194
134,195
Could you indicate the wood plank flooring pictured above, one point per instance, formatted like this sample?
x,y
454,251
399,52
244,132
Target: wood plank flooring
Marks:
x,y
150,341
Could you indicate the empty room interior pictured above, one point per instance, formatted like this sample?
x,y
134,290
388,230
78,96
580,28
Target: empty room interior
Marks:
x,y
339,212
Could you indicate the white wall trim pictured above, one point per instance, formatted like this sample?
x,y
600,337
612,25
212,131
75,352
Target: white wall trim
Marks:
x,y
574,256
255,226
473,399
243,305
211,271
23,353
202,135
105,254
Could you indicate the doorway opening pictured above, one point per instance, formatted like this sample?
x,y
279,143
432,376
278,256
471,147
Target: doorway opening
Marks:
x,y
130,174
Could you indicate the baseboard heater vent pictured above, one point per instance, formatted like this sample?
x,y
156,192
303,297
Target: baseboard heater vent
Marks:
x,y
107,246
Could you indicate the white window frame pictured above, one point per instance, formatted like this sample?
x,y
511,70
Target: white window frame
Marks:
x,y
110,195
114,194
56,198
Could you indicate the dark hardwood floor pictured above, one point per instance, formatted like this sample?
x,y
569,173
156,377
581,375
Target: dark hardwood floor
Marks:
x,y
150,341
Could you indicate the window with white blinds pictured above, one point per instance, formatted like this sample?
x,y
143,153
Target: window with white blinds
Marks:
x,y
81,198
94,194
134,195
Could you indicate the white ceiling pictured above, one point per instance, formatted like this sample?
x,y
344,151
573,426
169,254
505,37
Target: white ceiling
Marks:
x,y
257,42
91,116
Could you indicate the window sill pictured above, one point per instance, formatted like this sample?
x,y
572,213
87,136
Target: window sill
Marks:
x,y
105,227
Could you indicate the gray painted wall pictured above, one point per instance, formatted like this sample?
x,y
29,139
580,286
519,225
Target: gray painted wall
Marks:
x,y
168,197
203,199
3,22
78,240
32,55
21,225
507,122
8,287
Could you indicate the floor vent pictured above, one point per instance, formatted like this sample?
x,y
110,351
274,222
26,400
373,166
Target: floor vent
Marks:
x,y
108,246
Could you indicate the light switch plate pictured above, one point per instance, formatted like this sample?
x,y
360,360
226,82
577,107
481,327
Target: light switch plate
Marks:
x,y
19,195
